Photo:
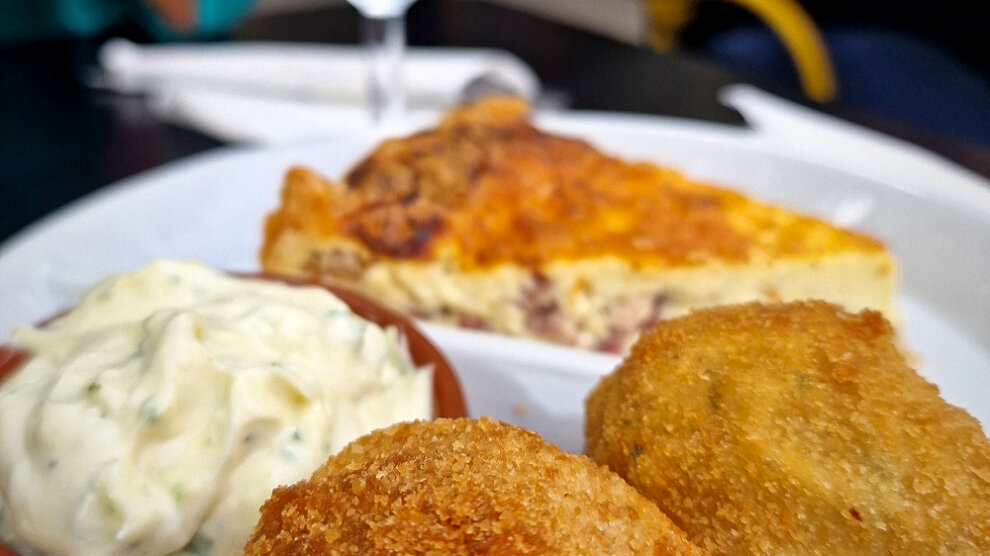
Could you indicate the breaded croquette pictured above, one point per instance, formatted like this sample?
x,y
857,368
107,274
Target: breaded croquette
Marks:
x,y
793,429
459,486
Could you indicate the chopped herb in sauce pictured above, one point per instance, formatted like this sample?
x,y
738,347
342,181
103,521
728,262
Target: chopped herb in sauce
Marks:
x,y
178,492
248,379
149,412
200,545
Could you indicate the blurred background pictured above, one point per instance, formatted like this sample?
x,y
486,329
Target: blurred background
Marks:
x,y
919,63
919,70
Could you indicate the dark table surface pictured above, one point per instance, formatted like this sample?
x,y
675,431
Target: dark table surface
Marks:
x,y
60,140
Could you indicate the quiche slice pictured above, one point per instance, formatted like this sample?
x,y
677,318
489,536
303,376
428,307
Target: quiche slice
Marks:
x,y
487,222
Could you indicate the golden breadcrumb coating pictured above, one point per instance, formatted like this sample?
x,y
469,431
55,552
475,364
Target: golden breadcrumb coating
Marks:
x,y
486,187
793,429
459,486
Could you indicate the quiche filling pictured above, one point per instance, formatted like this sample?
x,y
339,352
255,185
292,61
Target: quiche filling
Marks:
x,y
488,222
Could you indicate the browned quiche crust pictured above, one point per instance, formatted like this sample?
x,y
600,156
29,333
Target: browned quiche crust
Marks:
x,y
487,187
488,222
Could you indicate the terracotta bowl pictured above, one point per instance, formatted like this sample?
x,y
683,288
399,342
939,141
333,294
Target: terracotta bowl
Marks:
x,y
448,400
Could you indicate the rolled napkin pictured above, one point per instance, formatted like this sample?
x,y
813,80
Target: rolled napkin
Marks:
x,y
333,74
270,120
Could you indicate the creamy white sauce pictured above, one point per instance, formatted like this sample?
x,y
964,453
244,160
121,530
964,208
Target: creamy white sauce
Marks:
x,y
157,416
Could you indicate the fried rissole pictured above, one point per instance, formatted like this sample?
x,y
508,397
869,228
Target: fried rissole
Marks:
x,y
487,221
461,487
793,429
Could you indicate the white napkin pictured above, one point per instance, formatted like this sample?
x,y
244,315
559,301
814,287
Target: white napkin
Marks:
x,y
811,135
276,92
267,120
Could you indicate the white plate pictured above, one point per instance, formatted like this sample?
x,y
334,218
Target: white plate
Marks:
x,y
211,207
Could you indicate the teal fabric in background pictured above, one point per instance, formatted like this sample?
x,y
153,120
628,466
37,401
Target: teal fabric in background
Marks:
x,y
33,20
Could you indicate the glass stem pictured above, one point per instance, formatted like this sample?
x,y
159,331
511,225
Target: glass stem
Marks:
x,y
385,38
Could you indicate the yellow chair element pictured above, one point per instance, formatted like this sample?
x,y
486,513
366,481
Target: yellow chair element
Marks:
x,y
786,18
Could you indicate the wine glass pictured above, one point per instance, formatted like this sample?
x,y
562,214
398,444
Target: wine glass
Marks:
x,y
385,44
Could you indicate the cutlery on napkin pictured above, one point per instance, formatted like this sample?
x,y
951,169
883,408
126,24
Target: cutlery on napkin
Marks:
x,y
277,92
434,76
